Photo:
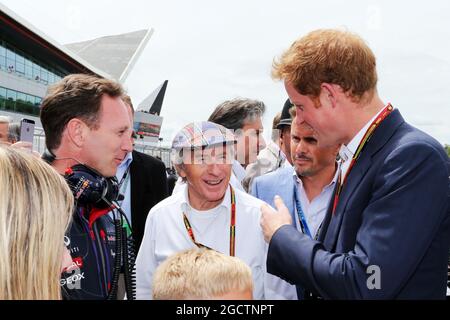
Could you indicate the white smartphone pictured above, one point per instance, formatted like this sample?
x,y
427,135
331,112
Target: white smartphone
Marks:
x,y
27,130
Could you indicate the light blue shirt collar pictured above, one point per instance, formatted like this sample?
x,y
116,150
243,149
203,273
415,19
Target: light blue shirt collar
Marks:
x,y
123,166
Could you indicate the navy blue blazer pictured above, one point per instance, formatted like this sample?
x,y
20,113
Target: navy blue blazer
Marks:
x,y
393,214
279,182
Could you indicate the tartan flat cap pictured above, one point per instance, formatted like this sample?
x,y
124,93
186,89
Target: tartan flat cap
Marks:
x,y
202,134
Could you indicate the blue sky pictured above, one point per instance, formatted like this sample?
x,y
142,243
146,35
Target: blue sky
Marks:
x,y
211,51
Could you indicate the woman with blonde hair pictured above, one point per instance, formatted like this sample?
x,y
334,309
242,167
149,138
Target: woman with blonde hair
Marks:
x,y
35,211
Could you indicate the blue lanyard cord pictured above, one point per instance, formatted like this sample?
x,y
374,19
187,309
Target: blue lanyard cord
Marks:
x,y
301,215
125,178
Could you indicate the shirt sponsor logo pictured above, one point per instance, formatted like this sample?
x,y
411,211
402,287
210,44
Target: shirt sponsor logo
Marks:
x,y
77,263
72,279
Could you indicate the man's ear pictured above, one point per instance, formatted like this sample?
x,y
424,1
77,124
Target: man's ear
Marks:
x,y
180,170
77,131
329,94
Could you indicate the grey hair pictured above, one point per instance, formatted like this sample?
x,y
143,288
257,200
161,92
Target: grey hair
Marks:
x,y
14,132
176,156
233,114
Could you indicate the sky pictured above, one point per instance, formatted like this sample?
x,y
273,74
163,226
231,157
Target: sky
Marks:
x,y
212,51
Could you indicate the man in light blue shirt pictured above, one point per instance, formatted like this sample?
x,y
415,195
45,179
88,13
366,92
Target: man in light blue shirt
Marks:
x,y
307,188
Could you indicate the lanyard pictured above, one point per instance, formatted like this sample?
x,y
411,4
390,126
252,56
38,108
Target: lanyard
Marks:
x,y
301,215
125,178
386,111
232,226
302,218
123,184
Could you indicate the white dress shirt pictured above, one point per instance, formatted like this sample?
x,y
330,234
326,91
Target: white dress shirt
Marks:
x,y
165,234
315,210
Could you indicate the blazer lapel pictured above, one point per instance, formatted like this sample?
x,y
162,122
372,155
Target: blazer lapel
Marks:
x,y
327,219
357,173
287,188
380,137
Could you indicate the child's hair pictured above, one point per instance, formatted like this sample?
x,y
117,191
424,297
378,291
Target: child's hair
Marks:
x,y
200,274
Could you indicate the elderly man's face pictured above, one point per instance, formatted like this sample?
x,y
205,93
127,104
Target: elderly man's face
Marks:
x,y
207,173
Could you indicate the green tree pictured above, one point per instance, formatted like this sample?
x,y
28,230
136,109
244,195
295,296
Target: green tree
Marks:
x,y
447,148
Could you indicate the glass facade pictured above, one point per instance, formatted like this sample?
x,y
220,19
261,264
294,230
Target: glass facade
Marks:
x,y
15,61
15,101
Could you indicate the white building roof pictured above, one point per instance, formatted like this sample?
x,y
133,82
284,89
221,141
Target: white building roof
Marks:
x,y
26,24
115,54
